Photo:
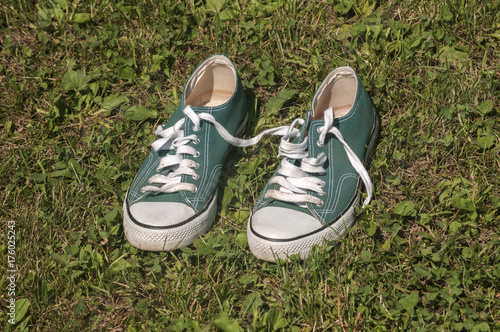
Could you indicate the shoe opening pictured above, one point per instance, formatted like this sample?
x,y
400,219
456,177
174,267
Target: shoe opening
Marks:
x,y
337,91
212,84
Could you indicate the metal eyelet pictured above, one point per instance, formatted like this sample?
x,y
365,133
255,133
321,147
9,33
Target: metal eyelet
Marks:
x,y
197,166
323,184
320,144
196,141
320,204
196,128
197,154
196,177
195,190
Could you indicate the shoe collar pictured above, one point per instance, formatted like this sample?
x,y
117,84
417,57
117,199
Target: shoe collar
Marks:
x,y
338,90
203,81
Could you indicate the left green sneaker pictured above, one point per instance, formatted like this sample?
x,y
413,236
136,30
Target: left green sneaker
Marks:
x,y
312,196
173,198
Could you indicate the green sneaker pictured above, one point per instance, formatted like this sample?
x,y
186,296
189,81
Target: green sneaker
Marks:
x,y
173,198
312,196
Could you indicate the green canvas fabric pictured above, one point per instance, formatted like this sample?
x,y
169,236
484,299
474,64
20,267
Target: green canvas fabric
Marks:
x,y
212,149
342,181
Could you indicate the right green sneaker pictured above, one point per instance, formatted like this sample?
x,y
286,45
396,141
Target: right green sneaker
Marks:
x,y
312,196
173,198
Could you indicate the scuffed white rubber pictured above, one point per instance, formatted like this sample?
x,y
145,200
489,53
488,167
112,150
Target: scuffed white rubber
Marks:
x,y
272,250
169,238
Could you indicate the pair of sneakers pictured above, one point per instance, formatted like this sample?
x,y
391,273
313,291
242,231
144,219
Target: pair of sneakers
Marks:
x,y
310,199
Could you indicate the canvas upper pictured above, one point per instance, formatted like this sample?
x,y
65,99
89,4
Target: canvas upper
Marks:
x,y
286,222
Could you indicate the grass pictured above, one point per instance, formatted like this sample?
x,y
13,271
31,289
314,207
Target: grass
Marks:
x,y
84,84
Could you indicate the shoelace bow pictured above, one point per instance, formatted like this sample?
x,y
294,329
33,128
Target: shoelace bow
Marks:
x,y
172,138
295,181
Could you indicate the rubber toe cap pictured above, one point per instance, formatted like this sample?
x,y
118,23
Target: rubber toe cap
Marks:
x,y
160,214
278,223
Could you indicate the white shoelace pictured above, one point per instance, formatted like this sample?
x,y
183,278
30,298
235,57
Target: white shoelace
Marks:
x,y
172,138
294,181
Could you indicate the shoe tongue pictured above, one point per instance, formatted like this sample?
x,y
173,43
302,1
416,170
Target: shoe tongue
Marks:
x,y
313,134
305,128
303,131
327,119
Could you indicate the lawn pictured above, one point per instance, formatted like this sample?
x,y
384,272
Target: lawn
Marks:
x,y
84,84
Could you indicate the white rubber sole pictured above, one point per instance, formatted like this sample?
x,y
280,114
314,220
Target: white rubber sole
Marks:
x,y
171,238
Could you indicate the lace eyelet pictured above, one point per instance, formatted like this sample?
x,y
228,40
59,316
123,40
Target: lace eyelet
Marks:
x,y
197,166
196,141
195,190
196,128
320,144
323,184
321,194
197,154
320,204
196,177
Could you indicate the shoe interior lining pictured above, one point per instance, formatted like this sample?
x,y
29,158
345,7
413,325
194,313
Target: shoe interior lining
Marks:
x,y
338,91
212,84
